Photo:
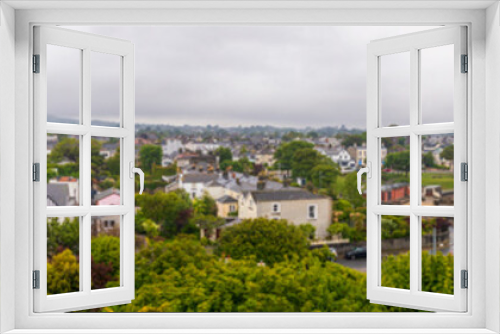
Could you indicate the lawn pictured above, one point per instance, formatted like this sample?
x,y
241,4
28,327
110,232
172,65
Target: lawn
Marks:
x,y
445,180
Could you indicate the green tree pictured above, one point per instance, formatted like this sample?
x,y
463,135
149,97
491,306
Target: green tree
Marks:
x,y
399,161
179,276
428,160
63,273
304,160
349,191
324,176
448,153
284,155
208,223
172,211
354,139
292,135
150,155
224,154
105,249
205,205
113,163
150,228
308,230
263,238
66,148
98,167
63,235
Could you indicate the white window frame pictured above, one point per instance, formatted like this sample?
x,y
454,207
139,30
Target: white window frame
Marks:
x,y
125,132
412,44
278,207
315,206
483,311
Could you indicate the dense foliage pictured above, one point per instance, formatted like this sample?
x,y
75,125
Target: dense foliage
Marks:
x,y
172,211
268,240
150,155
180,275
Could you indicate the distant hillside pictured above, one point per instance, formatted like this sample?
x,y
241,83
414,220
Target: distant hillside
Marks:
x,y
215,130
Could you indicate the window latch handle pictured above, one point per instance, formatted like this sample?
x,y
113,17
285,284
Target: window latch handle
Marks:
x,y
135,170
368,171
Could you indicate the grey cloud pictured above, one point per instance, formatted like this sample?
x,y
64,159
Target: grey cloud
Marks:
x,y
231,75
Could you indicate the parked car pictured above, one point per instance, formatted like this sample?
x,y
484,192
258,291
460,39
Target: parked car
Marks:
x,y
358,252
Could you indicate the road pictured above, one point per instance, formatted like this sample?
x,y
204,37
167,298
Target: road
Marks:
x,y
358,264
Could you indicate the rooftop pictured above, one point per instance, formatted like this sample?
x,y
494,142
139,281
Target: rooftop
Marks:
x,y
288,194
227,199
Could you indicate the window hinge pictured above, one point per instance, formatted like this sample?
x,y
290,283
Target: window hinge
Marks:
x,y
464,171
465,279
36,63
465,64
36,172
36,279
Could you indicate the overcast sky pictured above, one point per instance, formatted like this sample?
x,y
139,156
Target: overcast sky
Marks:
x,y
283,76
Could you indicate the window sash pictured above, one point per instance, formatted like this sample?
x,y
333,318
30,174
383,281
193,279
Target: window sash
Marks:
x,y
413,298
85,298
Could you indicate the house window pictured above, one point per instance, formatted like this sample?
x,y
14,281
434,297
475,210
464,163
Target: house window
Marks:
x,y
276,208
232,208
312,211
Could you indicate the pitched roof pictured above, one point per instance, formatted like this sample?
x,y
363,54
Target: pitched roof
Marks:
x,y
59,194
227,199
288,194
106,193
199,178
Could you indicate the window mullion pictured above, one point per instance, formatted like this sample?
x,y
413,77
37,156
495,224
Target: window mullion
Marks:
x,y
85,178
414,168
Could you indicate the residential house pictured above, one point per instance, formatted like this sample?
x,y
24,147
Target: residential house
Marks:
x,y
227,206
109,149
105,225
60,194
358,153
73,187
195,184
202,148
109,196
265,157
172,146
397,193
297,206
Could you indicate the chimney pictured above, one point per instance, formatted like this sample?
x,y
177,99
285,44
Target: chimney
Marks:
x,y
261,184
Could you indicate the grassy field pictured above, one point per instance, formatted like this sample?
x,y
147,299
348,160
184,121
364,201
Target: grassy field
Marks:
x,y
445,180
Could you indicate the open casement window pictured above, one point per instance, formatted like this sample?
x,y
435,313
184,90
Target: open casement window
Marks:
x,y
73,195
417,102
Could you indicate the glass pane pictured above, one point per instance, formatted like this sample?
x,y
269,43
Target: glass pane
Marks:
x,y
63,170
436,84
395,233
63,84
437,170
106,85
63,249
105,158
395,89
395,164
105,251
437,255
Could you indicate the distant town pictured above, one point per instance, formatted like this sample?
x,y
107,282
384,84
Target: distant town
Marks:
x,y
248,174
